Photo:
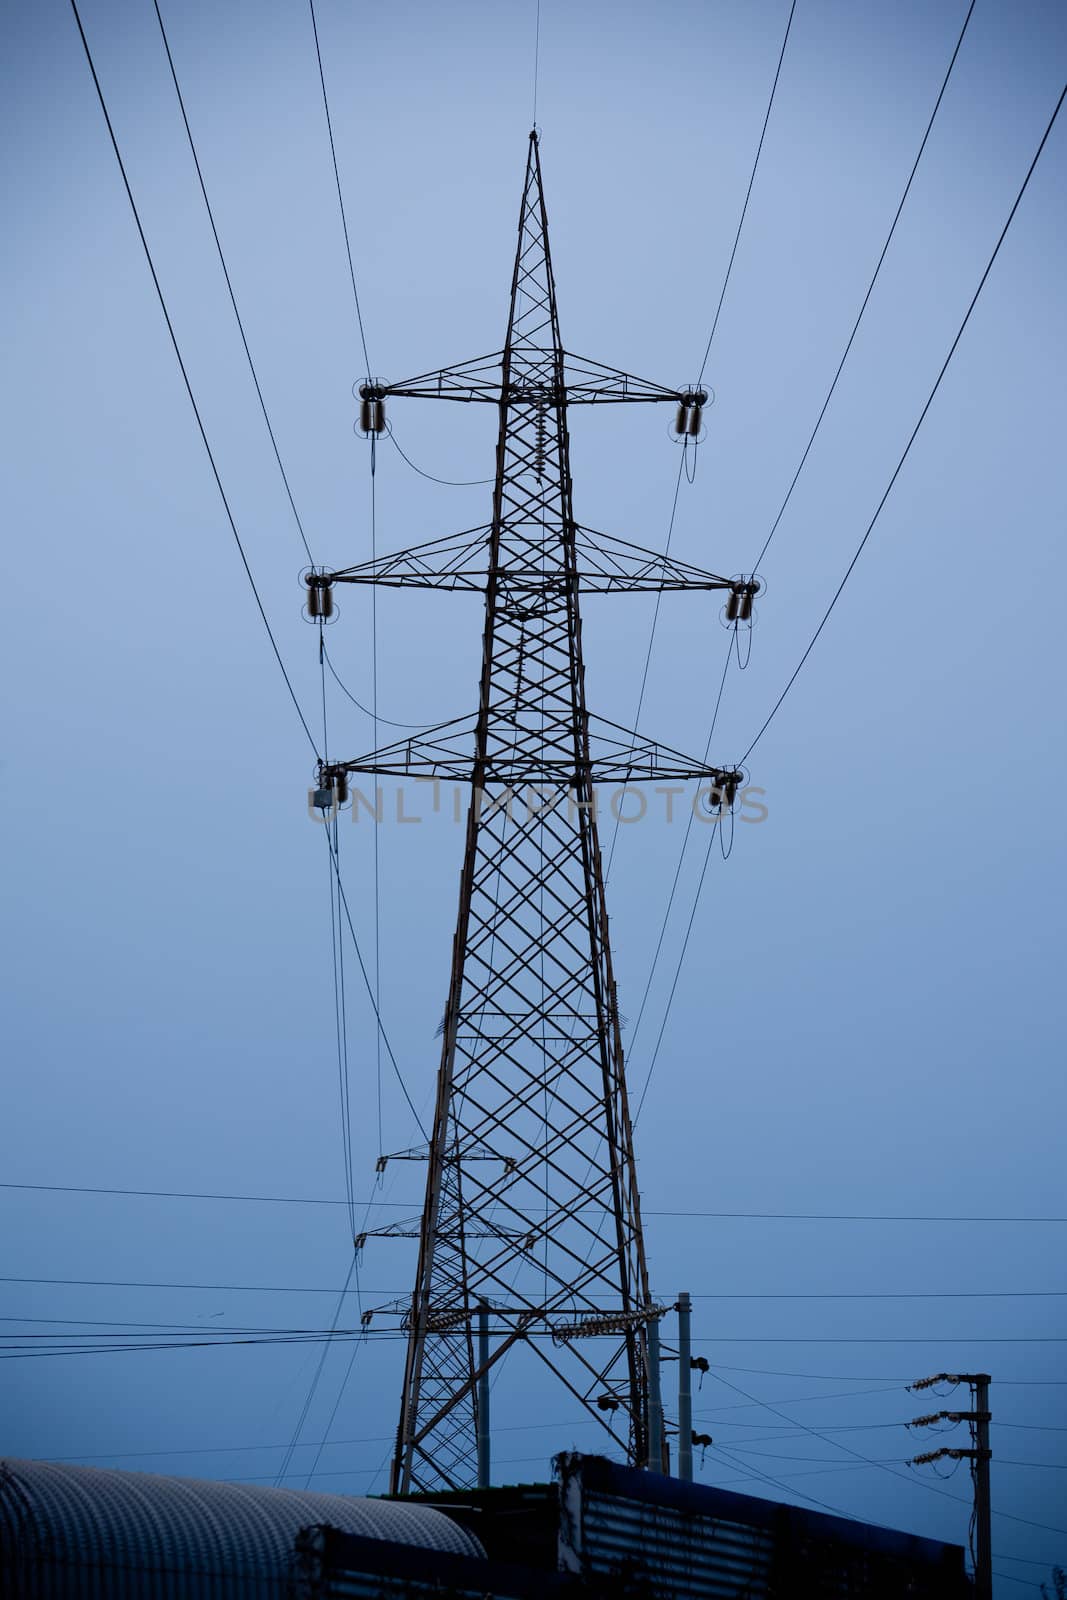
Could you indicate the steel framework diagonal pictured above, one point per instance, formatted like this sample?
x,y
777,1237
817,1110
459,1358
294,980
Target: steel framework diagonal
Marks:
x,y
530,1236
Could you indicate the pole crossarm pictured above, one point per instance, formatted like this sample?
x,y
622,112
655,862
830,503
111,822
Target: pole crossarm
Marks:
x,y
461,562
538,757
574,380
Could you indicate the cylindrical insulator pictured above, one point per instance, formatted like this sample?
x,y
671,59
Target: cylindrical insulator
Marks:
x,y
371,415
745,611
682,419
320,600
694,421
733,606
730,790
340,788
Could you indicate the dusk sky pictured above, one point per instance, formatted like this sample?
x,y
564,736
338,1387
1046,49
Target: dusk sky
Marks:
x,y
868,1020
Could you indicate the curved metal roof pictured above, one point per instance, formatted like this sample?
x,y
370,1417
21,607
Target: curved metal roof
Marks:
x,y
90,1530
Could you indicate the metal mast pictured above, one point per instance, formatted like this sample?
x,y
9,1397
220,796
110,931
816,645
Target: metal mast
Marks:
x,y
531,1203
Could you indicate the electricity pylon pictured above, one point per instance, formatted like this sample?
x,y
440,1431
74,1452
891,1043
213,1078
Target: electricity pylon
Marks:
x,y
530,1232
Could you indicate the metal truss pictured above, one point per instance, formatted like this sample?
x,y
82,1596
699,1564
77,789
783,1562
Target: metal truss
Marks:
x,y
460,561
571,380
531,1216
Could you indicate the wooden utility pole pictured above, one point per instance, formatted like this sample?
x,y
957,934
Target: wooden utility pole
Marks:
x,y
979,1456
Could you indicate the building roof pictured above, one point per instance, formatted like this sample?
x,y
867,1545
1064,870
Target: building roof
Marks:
x,y
238,1538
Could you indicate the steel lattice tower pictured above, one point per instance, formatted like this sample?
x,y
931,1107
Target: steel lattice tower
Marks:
x,y
531,1224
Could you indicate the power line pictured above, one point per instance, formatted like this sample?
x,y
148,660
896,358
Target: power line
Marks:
x,y
866,536
915,430
317,1374
337,181
841,1294
748,192
384,1037
836,1444
229,284
185,375
745,1216
870,291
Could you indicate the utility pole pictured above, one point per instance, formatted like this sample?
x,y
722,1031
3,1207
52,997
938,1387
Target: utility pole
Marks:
x,y
484,1438
531,1200
656,1435
685,1389
979,1456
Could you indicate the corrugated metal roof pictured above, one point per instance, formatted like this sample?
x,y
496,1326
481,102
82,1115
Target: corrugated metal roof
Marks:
x,y
91,1531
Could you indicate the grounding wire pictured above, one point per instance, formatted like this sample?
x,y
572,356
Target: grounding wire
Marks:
x,y
914,433
870,290
537,59
229,284
748,192
337,181
185,375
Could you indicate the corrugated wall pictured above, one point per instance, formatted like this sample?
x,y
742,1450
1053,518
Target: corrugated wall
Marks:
x,y
85,1533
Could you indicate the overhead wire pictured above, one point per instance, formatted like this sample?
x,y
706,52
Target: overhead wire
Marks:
x,y
229,283
257,1288
870,290
748,192
313,1200
337,181
373,999
703,365
648,654
674,885
353,1268
915,431
881,504
186,379
389,721
449,483
857,1455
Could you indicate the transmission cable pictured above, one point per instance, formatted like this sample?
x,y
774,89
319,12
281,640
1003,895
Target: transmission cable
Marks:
x,y
337,181
748,193
914,432
881,503
678,869
317,1200
804,457
808,450
353,1267
370,992
648,652
870,291
229,283
882,1467
185,376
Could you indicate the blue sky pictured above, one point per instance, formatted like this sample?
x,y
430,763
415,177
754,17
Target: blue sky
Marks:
x,y
868,1018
